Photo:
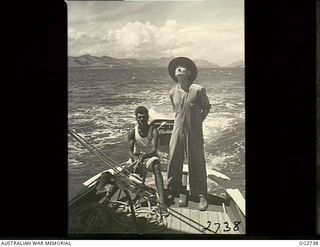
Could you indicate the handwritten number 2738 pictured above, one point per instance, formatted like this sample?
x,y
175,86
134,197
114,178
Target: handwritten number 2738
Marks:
x,y
226,229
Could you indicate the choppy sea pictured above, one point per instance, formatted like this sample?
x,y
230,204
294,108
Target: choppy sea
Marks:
x,y
101,104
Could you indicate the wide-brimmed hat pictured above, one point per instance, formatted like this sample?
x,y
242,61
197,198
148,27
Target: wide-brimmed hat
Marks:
x,y
183,61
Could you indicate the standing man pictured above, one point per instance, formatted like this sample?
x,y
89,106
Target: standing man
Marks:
x,y
143,145
191,105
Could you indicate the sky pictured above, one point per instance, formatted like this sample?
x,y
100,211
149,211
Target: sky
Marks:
x,y
209,29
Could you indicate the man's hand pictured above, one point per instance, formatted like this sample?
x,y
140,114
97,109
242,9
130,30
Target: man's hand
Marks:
x,y
138,159
141,158
137,163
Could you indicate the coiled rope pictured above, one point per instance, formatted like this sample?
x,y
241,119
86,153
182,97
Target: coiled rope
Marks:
x,y
102,218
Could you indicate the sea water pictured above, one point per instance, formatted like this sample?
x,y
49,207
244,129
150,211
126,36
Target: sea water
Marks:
x,y
101,104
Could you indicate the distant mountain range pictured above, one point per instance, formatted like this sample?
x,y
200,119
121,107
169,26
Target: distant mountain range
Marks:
x,y
110,62
237,64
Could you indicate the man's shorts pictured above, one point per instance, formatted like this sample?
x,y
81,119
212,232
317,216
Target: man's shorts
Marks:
x,y
148,163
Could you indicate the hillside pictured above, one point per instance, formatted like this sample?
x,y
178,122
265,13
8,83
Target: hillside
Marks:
x,y
110,62
236,64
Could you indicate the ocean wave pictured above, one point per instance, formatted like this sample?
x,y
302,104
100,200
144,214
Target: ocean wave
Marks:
x,y
218,162
101,109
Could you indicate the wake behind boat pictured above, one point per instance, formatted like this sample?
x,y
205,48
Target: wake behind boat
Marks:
x,y
116,201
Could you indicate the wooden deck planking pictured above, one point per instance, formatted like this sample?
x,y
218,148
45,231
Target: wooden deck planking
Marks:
x,y
215,222
203,220
169,221
194,215
185,220
175,217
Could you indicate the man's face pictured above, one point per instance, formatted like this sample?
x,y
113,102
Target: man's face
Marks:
x,y
182,71
142,119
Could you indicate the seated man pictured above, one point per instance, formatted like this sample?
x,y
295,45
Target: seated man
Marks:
x,y
143,144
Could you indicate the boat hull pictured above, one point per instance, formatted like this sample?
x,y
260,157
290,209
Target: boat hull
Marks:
x,y
120,212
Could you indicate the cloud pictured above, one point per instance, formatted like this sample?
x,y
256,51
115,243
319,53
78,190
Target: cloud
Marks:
x,y
144,40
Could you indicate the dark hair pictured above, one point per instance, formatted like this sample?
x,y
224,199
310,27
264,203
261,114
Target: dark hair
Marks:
x,y
141,110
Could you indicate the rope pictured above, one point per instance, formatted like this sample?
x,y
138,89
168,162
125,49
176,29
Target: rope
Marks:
x,y
99,217
150,214
92,149
95,218
91,219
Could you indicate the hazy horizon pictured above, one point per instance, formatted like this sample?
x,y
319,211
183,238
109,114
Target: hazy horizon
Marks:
x,y
156,58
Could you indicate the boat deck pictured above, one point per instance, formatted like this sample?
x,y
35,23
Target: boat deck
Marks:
x,y
89,213
193,221
181,220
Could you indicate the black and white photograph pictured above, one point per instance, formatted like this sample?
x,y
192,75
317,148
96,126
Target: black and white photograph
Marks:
x,y
156,117
318,116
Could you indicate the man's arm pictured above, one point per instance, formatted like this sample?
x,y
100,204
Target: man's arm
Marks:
x,y
154,149
204,103
171,98
204,113
172,103
131,141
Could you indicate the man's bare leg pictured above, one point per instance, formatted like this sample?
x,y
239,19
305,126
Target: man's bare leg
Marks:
x,y
160,186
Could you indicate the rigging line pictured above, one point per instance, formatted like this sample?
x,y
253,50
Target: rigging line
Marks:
x,y
87,144
98,156
90,149
108,157
117,172
82,141
104,154
93,147
180,216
